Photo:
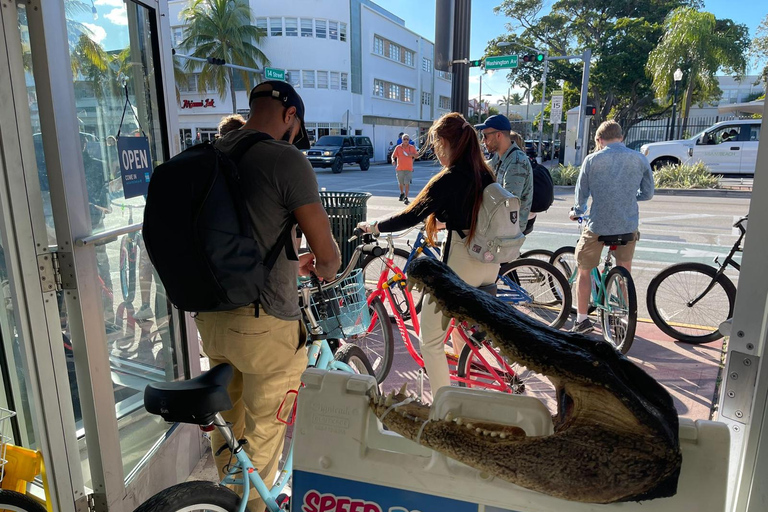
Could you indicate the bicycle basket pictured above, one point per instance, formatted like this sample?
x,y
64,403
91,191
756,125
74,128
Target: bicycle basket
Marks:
x,y
5,426
346,309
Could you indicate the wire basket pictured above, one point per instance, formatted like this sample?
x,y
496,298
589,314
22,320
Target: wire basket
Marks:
x,y
5,426
344,312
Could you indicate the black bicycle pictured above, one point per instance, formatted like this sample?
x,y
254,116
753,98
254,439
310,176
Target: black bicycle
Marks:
x,y
689,301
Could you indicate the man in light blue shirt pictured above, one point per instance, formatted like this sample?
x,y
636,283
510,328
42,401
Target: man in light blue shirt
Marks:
x,y
616,178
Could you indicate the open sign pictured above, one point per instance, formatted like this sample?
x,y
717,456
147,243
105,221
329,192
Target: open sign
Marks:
x,y
135,165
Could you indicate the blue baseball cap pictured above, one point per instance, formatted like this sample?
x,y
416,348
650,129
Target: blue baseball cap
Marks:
x,y
497,122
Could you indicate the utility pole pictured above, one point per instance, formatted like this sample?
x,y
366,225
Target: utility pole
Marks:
x,y
480,100
580,149
460,63
543,102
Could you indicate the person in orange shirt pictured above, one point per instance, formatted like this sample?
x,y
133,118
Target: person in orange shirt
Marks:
x,y
403,158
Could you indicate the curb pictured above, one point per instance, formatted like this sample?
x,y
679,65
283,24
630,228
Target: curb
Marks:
x,y
701,192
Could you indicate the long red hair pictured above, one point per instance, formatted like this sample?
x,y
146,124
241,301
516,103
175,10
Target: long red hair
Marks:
x,y
454,133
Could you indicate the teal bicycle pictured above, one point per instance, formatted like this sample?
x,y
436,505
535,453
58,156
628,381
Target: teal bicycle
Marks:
x,y
613,291
332,310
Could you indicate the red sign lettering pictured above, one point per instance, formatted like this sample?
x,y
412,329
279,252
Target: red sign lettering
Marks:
x,y
208,102
316,502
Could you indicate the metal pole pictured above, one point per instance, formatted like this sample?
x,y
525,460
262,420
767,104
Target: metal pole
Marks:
x,y
480,101
543,102
580,150
509,93
461,31
233,66
674,107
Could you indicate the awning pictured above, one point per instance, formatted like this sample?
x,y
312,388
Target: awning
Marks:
x,y
753,107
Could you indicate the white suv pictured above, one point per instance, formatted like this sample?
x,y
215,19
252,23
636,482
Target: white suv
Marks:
x,y
728,147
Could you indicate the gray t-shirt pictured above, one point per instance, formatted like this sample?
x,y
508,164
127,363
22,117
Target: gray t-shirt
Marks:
x,y
276,179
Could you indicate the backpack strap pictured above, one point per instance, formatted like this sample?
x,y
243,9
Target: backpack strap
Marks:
x,y
244,144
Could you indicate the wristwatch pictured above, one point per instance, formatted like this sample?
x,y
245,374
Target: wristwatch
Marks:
x,y
374,228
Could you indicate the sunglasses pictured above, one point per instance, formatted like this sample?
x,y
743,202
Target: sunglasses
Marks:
x,y
485,134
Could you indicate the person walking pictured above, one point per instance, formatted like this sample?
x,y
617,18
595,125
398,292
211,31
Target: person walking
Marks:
x,y
402,159
509,162
230,123
266,347
453,197
616,178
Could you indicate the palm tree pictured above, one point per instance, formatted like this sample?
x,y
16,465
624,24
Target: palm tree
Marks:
x,y
222,29
700,45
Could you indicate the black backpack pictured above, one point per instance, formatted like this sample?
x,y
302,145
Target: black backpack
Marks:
x,y
543,188
198,233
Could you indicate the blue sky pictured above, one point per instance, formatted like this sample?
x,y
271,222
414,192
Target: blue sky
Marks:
x,y
486,25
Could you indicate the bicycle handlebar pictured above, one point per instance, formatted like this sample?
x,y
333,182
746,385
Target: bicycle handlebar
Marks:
x,y
317,286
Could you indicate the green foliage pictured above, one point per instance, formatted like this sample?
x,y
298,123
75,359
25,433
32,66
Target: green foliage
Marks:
x,y
758,49
685,176
565,175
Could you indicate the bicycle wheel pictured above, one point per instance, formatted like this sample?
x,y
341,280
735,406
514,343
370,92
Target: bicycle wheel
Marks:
x,y
564,260
355,357
128,268
619,312
191,497
471,367
537,289
539,254
373,266
671,292
378,344
13,501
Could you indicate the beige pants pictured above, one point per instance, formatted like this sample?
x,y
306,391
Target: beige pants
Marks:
x,y
268,356
474,273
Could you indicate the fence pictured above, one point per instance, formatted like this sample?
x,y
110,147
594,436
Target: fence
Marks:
x,y
657,130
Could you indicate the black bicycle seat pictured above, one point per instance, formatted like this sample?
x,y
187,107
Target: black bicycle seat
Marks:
x,y
617,239
489,288
193,401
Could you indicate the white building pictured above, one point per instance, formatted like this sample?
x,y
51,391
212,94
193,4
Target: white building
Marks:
x,y
734,91
357,67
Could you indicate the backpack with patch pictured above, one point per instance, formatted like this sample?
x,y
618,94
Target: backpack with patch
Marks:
x,y
543,189
199,235
497,237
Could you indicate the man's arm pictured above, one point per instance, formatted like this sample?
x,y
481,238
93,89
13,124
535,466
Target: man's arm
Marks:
x,y
646,186
582,191
314,223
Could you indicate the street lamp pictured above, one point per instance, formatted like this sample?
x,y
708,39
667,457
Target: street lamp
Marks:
x,y
678,75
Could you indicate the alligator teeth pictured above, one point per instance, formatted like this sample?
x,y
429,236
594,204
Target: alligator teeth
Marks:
x,y
431,299
486,432
503,435
470,426
494,434
449,416
389,400
458,421
445,321
479,430
404,389
410,285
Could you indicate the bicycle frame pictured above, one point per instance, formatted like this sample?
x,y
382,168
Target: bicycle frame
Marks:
x,y
728,261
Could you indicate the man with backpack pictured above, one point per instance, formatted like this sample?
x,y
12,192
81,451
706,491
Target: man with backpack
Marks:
x,y
509,162
264,340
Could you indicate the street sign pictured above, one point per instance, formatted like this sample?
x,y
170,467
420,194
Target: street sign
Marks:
x,y
501,62
556,111
274,74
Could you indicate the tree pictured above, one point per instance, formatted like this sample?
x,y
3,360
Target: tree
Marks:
x,y
512,99
758,49
222,29
700,45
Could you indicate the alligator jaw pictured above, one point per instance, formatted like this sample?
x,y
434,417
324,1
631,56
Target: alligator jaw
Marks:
x,y
616,429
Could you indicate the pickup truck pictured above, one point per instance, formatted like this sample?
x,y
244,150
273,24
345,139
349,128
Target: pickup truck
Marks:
x,y
336,150
728,147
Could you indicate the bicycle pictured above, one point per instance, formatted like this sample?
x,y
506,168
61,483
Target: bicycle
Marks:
x,y
687,300
337,306
11,497
478,364
613,291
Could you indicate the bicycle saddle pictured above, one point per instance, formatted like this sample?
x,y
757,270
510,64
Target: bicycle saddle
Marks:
x,y
193,401
617,239
489,288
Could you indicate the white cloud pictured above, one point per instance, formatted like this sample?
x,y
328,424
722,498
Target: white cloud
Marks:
x,y
98,34
118,16
110,3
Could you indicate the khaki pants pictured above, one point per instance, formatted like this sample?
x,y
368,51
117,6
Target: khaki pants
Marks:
x,y
474,273
268,356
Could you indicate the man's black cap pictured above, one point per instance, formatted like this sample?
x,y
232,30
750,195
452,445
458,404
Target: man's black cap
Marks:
x,y
287,95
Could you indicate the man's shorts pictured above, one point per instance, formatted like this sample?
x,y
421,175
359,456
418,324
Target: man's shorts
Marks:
x,y
589,249
404,177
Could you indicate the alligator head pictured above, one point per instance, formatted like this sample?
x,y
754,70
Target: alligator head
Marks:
x,y
616,429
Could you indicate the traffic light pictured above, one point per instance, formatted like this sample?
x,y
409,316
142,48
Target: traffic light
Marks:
x,y
215,61
590,110
476,63
533,57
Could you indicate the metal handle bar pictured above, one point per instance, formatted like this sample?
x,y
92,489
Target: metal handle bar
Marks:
x,y
359,250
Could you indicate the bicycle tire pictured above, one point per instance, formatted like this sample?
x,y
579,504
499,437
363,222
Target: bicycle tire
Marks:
x,y
13,501
616,333
468,362
207,495
378,344
356,358
539,254
128,268
670,285
544,284
372,268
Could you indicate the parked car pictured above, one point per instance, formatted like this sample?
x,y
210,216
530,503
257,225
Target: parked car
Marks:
x,y
336,150
531,148
728,147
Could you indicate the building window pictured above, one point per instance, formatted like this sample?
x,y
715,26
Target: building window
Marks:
x,y
322,79
344,81
178,35
394,92
408,58
308,79
343,32
306,28
261,24
291,27
426,98
320,30
426,65
444,75
408,94
275,27
294,77
378,88
333,30
378,45
335,80
445,103
394,52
